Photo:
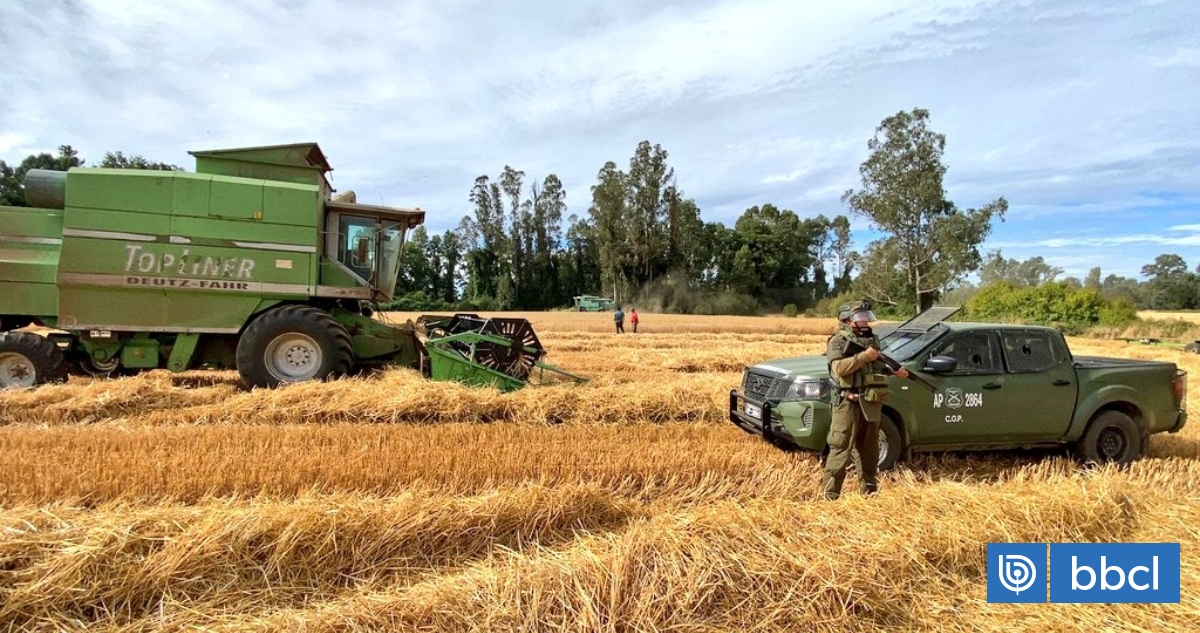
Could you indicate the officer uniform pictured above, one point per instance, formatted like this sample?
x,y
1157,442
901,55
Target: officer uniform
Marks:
x,y
861,389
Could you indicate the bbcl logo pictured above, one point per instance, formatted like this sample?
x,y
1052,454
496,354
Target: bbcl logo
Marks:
x,y
1084,572
1114,572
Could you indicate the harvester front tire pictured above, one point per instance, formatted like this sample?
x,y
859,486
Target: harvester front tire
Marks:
x,y
293,344
28,360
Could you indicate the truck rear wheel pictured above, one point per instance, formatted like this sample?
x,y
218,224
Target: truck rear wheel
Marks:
x,y
1112,437
293,344
28,360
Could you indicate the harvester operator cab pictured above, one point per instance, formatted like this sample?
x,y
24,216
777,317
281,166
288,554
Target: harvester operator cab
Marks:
x,y
370,248
365,242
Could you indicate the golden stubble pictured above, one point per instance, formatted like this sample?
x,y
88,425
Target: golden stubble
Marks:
x,y
387,502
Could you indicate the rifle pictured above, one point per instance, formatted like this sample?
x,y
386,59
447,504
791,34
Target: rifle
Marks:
x,y
853,348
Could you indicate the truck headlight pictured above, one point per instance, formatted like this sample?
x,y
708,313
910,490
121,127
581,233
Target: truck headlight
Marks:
x,y
807,389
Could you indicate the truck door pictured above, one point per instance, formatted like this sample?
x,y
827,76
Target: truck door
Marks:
x,y
975,404
1040,368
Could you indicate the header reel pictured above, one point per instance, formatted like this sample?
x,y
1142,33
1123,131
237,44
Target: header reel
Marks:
x,y
500,351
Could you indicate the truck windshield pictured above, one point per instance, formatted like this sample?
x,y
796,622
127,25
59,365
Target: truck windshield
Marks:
x,y
902,345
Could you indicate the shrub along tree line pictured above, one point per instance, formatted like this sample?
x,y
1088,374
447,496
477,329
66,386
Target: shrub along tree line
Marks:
x,y
1050,303
1031,291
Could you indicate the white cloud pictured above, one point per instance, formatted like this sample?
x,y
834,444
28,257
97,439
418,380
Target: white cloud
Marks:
x,y
1066,109
14,143
1115,241
1180,57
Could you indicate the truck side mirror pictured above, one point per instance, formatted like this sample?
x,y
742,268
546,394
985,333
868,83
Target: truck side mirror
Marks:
x,y
940,364
361,248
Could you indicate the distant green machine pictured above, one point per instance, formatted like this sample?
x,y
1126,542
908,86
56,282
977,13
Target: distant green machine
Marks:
x,y
591,303
249,262
1187,346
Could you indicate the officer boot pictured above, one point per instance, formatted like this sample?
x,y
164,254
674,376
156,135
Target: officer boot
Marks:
x,y
831,486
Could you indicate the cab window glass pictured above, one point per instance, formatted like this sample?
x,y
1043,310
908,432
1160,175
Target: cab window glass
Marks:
x,y
352,229
976,353
1030,351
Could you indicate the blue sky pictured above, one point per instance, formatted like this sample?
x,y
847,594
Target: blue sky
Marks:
x,y
1083,114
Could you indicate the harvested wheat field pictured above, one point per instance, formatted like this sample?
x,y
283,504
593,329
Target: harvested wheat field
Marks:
x,y
1159,315
387,502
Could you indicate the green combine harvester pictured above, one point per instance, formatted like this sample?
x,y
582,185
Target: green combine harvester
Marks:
x,y
248,263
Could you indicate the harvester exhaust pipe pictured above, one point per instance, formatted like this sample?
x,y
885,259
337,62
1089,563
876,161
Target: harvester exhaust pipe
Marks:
x,y
46,188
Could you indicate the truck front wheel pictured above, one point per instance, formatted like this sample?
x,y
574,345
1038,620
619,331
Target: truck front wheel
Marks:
x,y
889,444
293,344
28,360
1112,437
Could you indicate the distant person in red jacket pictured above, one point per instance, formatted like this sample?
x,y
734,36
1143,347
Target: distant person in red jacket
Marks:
x,y
633,318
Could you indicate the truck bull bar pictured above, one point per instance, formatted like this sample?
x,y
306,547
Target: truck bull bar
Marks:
x,y
748,423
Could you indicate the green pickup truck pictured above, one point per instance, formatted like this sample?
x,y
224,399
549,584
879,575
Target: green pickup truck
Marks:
x,y
990,386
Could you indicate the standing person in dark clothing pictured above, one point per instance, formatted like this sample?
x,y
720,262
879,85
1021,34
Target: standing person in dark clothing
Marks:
x,y
619,319
862,388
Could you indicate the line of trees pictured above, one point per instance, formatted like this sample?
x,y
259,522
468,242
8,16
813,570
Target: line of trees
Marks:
x,y
641,241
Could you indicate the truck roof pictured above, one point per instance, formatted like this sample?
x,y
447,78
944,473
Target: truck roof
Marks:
x,y
957,326
931,317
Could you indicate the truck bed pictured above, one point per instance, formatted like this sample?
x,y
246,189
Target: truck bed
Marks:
x,y
1103,362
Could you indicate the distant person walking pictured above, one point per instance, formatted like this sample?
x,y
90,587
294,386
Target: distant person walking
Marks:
x,y
633,319
619,319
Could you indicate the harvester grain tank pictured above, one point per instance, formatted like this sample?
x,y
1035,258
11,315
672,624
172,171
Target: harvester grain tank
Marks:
x,y
250,263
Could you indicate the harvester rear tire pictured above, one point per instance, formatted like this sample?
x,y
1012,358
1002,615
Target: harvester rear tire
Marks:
x,y
28,360
293,343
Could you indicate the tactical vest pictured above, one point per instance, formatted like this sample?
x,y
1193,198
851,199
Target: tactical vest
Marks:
x,y
870,381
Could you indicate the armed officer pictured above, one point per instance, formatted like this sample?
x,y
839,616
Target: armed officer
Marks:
x,y
861,384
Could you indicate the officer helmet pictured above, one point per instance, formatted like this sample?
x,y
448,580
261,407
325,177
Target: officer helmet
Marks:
x,y
862,315
856,311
